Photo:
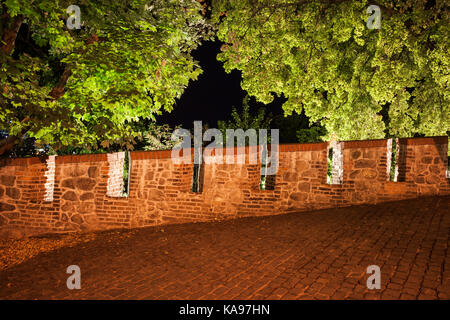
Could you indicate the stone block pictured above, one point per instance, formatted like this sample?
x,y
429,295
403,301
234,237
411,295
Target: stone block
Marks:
x,y
93,172
304,186
68,183
369,174
67,207
364,163
290,176
6,207
432,179
356,154
86,184
78,219
87,196
302,165
354,174
11,215
426,160
13,193
70,195
3,221
298,196
7,180
75,171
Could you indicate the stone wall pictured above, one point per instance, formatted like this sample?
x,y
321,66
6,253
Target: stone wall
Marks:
x,y
78,193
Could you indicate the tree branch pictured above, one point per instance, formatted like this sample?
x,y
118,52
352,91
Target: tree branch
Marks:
x,y
58,90
11,28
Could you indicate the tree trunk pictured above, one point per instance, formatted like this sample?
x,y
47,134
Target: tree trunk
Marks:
x,y
10,29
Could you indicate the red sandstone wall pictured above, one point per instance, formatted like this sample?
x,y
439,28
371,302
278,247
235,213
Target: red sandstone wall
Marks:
x,y
87,193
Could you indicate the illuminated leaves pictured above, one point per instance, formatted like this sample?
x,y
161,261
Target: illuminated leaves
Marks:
x,y
323,59
126,63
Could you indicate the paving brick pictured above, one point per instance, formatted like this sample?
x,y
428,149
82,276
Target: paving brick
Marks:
x,y
279,257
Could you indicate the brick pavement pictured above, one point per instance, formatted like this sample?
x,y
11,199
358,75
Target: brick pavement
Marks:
x,y
315,255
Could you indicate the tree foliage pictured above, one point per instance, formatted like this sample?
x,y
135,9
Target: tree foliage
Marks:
x,y
159,137
85,87
245,120
297,128
313,134
150,136
323,59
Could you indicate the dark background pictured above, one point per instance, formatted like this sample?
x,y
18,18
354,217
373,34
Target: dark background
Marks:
x,y
213,95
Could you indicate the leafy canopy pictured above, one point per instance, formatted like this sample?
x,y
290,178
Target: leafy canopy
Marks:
x,y
129,60
323,59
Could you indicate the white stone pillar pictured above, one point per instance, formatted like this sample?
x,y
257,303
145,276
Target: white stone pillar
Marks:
x,y
50,182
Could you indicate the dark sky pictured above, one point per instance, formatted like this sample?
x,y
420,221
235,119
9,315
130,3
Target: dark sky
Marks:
x,y
212,96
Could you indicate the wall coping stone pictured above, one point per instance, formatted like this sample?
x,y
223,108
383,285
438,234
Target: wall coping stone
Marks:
x,y
166,154
423,141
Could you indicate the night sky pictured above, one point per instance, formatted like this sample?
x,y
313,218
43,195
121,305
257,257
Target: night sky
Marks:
x,y
212,96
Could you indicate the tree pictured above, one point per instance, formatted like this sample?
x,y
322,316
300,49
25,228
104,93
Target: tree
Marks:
x,y
159,137
297,128
313,134
85,87
149,136
245,120
323,59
